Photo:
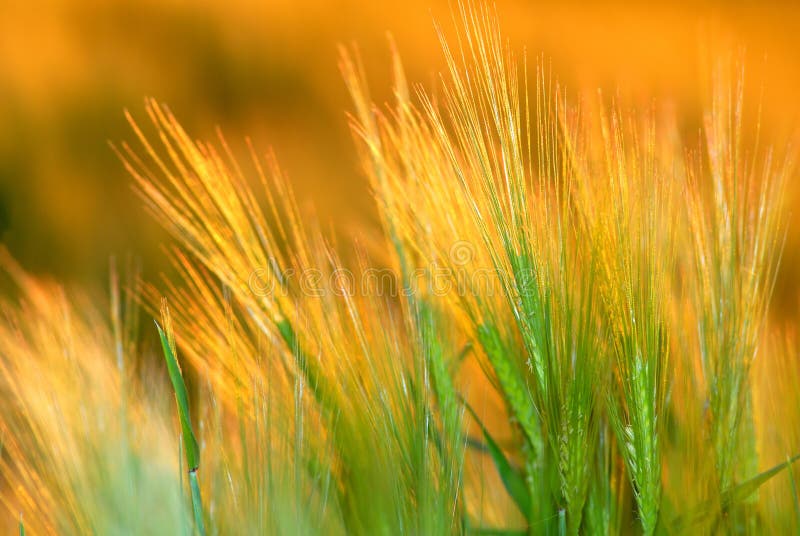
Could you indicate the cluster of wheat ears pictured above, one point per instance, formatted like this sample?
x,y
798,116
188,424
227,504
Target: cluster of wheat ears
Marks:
x,y
618,373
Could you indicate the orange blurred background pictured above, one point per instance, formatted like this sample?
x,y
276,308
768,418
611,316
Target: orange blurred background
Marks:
x,y
268,70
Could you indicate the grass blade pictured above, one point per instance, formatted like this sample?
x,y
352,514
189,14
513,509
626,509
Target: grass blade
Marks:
x,y
731,497
182,399
178,385
197,504
796,501
512,479
745,489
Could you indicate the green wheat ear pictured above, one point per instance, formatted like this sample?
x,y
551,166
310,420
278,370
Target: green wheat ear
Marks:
x,y
182,399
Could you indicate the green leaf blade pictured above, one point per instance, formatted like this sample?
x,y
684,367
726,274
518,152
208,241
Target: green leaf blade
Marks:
x,y
182,399
512,479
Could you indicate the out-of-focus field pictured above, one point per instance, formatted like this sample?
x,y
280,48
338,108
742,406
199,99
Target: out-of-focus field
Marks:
x,y
268,70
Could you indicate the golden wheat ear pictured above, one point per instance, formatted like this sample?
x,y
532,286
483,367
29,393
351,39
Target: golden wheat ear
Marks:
x,y
84,449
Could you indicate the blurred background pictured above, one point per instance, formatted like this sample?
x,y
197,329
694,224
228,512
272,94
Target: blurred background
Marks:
x,y
268,69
